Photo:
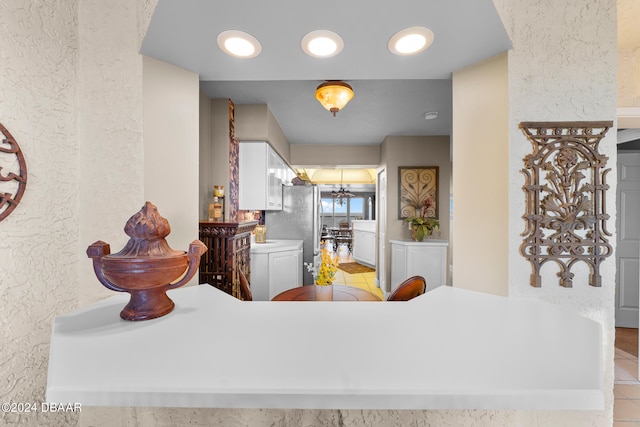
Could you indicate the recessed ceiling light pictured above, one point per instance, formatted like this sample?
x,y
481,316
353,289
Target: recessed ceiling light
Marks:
x,y
410,41
430,115
322,44
239,44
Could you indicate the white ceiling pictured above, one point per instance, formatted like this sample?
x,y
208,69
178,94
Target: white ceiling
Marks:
x,y
392,93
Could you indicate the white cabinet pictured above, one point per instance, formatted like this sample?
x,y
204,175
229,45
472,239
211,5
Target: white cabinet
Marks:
x,y
364,242
262,174
427,259
275,267
285,271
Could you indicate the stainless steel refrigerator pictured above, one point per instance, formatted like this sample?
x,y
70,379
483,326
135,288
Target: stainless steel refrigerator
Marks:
x,y
299,219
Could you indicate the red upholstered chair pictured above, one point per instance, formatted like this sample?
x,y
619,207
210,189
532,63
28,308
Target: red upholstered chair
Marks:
x,y
410,288
245,290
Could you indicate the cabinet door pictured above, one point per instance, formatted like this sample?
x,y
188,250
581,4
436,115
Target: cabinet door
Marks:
x,y
260,276
284,271
398,265
299,261
274,181
364,247
253,176
261,171
427,262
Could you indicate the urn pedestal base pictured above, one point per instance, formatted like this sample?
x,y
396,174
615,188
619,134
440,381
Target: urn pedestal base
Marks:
x,y
147,304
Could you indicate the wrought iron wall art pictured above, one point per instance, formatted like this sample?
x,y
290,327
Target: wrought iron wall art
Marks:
x,y
565,187
13,173
418,191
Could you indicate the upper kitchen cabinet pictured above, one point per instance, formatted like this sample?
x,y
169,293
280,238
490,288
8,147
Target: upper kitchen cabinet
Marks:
x,y
262,175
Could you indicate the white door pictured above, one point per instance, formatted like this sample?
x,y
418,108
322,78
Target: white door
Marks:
x,y
382,229
628,241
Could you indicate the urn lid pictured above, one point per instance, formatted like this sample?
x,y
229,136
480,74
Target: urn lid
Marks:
x,y
147,230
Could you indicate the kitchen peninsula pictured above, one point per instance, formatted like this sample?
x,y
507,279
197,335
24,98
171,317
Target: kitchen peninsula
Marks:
x,y
215,351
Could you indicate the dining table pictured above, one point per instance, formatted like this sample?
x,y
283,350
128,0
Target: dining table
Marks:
x,y
340,293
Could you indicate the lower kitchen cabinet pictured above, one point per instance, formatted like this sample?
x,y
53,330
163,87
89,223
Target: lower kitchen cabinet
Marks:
x,y
275,267
364,247
427,259
364,242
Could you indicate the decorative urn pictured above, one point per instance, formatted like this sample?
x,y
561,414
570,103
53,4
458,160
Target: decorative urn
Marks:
x,y
146,267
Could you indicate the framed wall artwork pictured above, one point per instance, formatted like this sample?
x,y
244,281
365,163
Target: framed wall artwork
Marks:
x,y
418,191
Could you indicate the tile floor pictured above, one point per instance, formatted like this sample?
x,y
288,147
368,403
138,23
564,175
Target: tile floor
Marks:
x,y
626,390
366,281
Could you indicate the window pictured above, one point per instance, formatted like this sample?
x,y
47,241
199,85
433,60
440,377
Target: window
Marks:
x,y
334,212
356,207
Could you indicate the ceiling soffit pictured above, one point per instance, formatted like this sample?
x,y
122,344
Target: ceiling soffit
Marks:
x,y
338,176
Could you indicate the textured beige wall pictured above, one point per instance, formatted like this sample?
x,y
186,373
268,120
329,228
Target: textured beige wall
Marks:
x,y
71,94
313,155
563,67
39,92
481,176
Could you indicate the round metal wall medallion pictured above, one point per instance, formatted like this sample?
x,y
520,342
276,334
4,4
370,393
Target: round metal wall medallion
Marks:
x,y
13,173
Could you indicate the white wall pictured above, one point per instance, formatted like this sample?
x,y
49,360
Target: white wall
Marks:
x,y
481,176
171,147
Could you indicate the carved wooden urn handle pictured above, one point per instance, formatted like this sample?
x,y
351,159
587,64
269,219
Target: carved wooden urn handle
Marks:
x,y
146,267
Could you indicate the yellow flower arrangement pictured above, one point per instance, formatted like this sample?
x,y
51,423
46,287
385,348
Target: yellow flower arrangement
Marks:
x,y
327,269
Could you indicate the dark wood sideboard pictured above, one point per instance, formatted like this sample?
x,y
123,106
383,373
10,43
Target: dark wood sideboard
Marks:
x,y
228,251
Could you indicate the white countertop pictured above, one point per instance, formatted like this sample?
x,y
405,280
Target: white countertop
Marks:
x,y
426,241
364,225
447,349
273,245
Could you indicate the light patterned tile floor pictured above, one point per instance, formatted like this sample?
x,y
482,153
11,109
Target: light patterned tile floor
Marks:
x,y
366,281
626,390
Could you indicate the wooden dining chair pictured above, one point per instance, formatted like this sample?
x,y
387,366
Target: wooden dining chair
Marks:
x,y
410,288
245,289
344,236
